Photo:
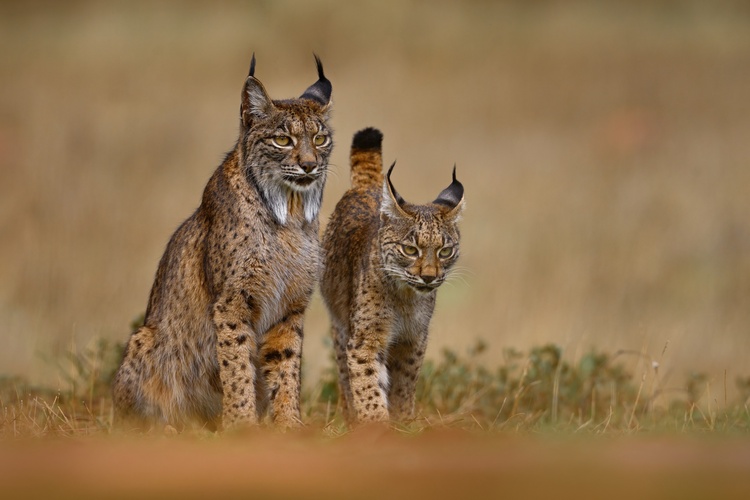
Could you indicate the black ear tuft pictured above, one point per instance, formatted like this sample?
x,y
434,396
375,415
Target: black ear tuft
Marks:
x,y
252,66
368,139
396,197
452,195
319,91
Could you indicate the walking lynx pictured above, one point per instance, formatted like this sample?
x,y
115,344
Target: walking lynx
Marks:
x,y
222,337
384,260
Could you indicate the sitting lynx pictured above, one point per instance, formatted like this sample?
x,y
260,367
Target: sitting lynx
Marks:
x,y
222,337
384,260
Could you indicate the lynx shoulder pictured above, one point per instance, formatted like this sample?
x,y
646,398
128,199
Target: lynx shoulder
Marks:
x,y
384,259
222,338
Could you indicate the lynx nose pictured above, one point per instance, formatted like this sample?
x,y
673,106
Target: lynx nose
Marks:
x,y
428,278
308,166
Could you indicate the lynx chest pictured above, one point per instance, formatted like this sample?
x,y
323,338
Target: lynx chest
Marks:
x,y
283,274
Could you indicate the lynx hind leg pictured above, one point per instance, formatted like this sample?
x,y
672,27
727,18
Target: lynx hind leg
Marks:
x,y
281,361
404,363
133,410
345,391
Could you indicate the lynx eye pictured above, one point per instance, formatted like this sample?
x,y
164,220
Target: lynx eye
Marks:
x,y
446,252
409,250
320,140
282,141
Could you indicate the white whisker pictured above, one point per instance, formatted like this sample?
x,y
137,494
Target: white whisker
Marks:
x,y
460,269
334,172
456,277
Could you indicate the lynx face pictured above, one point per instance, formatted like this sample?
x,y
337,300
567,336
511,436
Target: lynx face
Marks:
x,y
295,146
301,150
419,243
286,145
421,249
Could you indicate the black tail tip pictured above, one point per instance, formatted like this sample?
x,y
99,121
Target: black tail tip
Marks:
x,y
369,138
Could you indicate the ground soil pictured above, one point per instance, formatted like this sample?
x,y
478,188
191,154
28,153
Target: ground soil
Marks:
x,y
378,463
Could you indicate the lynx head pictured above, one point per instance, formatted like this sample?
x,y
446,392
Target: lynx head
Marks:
x,y
285,144
420,243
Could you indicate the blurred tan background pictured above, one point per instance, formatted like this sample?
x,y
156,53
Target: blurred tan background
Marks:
x,y
604,147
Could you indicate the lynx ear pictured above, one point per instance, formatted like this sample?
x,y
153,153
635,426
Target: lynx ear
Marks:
x,y
255,100
452,197
392,204
319,91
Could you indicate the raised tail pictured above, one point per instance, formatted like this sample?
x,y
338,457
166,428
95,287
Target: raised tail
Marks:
x,y
366,159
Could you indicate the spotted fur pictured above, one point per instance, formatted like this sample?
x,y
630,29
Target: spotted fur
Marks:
x,y
384,259
222,338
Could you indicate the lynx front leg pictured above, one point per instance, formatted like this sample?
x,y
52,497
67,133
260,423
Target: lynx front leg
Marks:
x,y
281,357
236,349
368,376
404,362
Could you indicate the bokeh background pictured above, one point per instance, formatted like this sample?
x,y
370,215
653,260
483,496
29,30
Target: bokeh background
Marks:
x,y
604,147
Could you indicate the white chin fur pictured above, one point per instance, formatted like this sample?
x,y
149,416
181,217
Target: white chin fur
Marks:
x,y
278,199
300,188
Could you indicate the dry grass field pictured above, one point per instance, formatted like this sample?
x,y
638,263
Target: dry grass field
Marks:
x,y
605,254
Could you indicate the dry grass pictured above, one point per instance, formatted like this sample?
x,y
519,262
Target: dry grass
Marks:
x,y
477,434
535,392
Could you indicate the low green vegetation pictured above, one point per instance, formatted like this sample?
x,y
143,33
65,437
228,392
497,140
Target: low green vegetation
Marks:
x,y
529,392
